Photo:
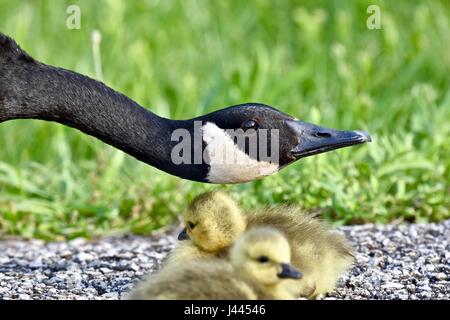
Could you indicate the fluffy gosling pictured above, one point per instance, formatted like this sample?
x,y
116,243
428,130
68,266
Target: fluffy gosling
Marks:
x,y
213,220
259,264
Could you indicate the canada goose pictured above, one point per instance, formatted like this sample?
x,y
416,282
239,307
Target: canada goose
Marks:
x,y
259,264
192,149
213,220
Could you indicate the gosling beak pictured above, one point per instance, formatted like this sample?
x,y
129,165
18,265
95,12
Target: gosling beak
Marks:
x,y
315,139
183,235
289,272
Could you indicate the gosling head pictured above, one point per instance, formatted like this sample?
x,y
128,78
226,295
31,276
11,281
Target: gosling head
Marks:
x,y
213,221
265,255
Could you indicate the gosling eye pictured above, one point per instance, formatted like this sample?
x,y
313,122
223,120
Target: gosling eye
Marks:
x,y
191,225
250,124
263,259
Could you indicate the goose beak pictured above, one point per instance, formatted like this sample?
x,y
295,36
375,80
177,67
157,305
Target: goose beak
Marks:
x,y
288,271
183,235
314,139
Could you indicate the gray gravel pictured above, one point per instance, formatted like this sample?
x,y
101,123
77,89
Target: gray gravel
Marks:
x,y
393,262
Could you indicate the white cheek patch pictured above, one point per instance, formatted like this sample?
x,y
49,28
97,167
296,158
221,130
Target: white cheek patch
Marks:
x,y
228,163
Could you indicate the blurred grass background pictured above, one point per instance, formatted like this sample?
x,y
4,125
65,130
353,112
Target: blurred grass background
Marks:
x,y
316,60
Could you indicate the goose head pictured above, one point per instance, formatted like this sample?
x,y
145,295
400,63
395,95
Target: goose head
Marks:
x,y
237,144
212,222
249,141
265,255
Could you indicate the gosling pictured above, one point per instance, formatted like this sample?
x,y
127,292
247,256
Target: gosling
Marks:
x,y
259,263
213,220
217,220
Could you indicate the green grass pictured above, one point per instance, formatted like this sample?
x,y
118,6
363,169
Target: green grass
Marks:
x,y
315,60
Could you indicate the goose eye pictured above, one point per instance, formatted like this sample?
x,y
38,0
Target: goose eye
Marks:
x,y
263,259
191,225
250,124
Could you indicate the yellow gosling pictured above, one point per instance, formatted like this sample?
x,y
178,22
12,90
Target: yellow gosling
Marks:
x,y
258,267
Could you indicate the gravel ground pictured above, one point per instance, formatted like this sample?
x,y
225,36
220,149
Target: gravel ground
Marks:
x,y
393,262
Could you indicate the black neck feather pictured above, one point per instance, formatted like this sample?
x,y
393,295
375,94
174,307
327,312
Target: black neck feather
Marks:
x,y
32,90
